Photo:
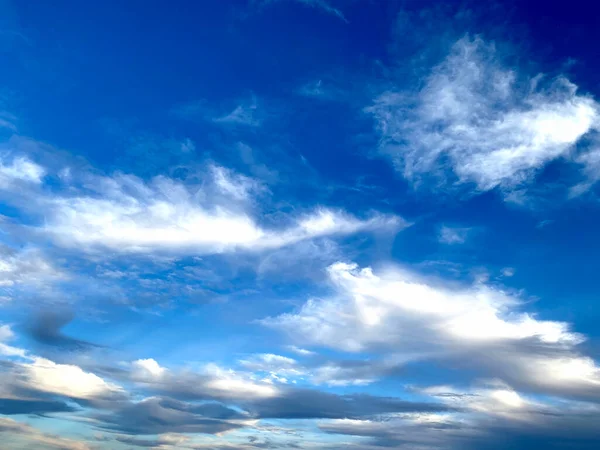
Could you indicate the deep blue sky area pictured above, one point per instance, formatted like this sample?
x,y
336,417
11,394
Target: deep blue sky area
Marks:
x,y
299,224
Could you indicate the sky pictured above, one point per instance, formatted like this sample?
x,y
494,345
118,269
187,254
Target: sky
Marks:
x,y
299,224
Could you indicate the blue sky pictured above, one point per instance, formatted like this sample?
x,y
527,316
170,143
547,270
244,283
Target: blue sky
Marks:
x,y
299,224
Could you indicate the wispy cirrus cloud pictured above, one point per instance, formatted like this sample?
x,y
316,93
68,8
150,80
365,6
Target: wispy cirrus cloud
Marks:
x,y
218,214
480,122
247,113
321,5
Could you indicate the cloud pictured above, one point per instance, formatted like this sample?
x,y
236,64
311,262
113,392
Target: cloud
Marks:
x,y
247,113
40,377
167,439
301,351
17,432
126,214
46,328
6,334
262,399
295,403
7,121
276,368
9,406
453,235
26,269
161,415
18,170
321,5
397,312
144,368
487,124
67,380
491,415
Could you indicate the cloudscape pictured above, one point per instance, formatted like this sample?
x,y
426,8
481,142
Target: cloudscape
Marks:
x,y
299,224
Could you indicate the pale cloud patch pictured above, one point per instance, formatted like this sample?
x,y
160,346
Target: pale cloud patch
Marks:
x,y
508,272
453,235
25,267
301,351
6,334
276,368
28,435
321,5
19,169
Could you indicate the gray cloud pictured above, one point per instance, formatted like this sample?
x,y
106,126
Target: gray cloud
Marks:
x,y
46,326
163,415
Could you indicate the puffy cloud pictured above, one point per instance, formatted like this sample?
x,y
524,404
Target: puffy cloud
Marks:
x,y
493,127
67,380
399,314
143,368
38,379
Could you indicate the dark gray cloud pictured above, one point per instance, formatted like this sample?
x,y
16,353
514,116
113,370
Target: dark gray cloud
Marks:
x,y
313,404
10,406
45,328
164,415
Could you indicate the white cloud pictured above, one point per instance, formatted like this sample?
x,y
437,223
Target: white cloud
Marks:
x,y
493,127
276,368
230,384
66,379
19,169
167,216
144,368
396,312
6,334
25,267
453,235
301,351
127,214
